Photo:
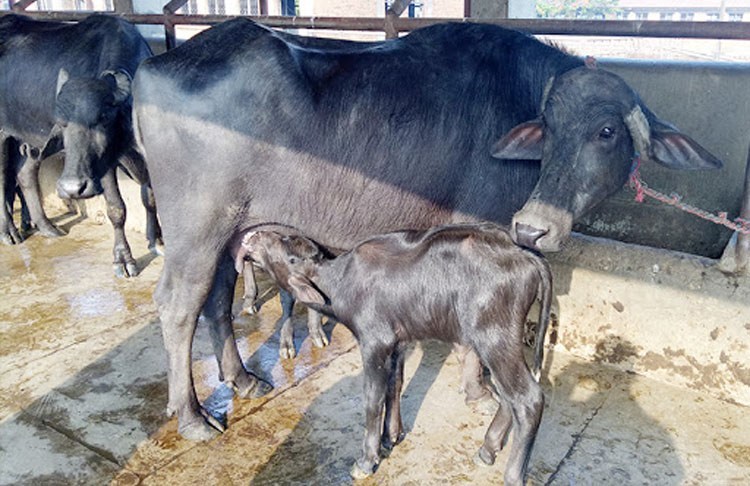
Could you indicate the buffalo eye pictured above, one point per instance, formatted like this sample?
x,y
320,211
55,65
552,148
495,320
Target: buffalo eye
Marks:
x,y
606,133
292,260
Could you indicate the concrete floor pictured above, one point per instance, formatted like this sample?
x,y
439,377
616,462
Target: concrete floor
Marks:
x,y
83,392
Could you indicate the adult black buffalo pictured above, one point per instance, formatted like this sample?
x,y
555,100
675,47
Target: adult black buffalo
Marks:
x,y
242,125
68,86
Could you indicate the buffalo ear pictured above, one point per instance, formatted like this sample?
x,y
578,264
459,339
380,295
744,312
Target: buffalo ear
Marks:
x,y
523,141
304,290
675,150
662,143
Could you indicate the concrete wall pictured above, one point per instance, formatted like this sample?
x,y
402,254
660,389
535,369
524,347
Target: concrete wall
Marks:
x,y
709,102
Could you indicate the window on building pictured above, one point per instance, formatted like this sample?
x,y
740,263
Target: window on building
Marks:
x,y
289,8
687,16
413,11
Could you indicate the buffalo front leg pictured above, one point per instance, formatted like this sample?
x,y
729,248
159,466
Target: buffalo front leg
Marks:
x,y
28,180
179,297
124,264
218,314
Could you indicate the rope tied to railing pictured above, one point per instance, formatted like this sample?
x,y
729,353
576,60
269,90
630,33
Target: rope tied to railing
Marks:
x,y
642,190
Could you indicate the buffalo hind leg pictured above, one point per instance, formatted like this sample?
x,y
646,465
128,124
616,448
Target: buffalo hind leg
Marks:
x,y
153,229
523,395
9,234
217,312
124,264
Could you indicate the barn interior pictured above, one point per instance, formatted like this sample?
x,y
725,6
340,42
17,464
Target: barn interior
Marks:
x,y
646,379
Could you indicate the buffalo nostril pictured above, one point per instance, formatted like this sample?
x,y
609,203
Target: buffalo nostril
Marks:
x,y
71,188
527,235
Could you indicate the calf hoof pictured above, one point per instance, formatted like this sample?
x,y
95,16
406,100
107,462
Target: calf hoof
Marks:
x,y
319,339
361,472
287,351
387,444
483,457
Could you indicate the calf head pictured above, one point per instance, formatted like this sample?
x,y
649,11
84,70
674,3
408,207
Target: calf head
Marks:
x,y
591,127
292,261
90,115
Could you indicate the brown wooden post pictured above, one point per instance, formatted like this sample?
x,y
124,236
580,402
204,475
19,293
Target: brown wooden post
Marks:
x,y
394,12
21,5
263,7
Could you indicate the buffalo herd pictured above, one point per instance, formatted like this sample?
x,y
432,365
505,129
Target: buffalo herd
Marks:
x,y
404,187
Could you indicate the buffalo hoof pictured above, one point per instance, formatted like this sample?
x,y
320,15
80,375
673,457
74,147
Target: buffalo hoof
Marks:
x,y
125,270
11,238
319,338
157,248
250,387
286,350
388,443
250,306
361,472
483,457
201,431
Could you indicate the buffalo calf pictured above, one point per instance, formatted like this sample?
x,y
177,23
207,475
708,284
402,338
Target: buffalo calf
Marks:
x,y
467,284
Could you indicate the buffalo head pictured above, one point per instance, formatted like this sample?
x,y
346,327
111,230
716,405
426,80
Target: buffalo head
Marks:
x,y
89,113
591,126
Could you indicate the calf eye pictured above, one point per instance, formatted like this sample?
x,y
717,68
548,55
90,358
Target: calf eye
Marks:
x,y
607,133
292,260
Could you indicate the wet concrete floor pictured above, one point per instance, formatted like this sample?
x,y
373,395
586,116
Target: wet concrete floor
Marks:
x,y
83,391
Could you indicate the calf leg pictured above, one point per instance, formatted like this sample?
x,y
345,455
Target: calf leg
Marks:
x,y
393,428
315,328
376,359
286,335
124,263
9,234
472,381
250,294
524,397
28,180
218,314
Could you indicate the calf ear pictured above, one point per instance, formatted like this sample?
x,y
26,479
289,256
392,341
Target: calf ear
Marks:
x,y
662,143
523,141
304,290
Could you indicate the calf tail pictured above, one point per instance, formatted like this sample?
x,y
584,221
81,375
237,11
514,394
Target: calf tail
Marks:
x,y
545,296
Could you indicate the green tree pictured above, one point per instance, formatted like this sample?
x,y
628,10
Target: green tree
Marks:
x,y
572,9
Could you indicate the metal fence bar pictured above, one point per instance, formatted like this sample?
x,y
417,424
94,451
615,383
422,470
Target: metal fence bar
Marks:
x,y
615,28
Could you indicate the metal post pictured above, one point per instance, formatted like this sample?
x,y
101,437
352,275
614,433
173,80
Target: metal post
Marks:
x,y
170,37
